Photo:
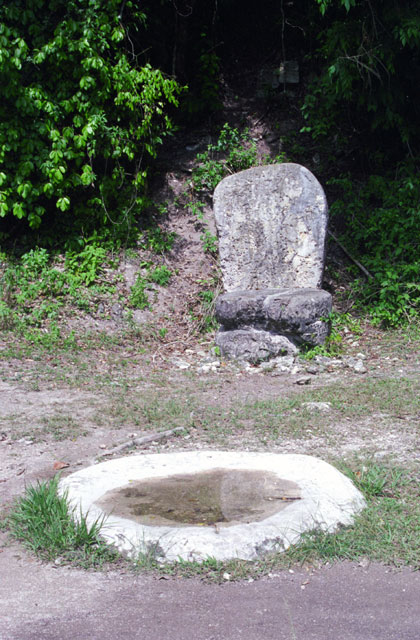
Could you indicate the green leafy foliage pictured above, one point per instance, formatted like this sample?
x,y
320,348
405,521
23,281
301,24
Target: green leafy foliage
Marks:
x,y
138,294
367,57
333,346
79,113
363,109
210,243
233,152
158,240
160,275
35,288
382,218
86,264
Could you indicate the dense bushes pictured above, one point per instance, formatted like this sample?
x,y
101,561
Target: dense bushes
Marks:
x,y
79,112
367,60
363,106
382,216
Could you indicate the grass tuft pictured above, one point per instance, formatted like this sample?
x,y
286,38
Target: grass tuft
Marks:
x,y
46,524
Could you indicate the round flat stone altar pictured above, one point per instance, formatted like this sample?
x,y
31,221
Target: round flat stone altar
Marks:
x,y
199,504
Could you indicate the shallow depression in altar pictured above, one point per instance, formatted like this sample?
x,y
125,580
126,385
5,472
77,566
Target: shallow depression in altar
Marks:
x,y
223,497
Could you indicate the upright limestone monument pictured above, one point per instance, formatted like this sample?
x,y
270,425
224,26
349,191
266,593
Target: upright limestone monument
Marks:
x,y
272,224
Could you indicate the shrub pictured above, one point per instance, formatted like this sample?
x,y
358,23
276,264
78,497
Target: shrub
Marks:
x,y
382,217
79,114
233,152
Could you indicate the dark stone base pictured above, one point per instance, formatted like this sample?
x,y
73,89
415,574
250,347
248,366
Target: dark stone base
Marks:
x,y
258,325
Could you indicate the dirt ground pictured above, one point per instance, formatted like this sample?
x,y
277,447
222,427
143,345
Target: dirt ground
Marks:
x,y
72,407
73,418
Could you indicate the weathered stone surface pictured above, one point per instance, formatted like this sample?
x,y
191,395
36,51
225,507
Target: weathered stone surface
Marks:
x,y
253,345
241,309
298,313
293,313
271,223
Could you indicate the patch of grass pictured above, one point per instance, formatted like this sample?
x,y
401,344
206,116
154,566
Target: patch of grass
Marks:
x,y
263,421
4,523
151,411
375,480
59,427
388,530
399,396
202,311
272,419
288,417
46,525
147,560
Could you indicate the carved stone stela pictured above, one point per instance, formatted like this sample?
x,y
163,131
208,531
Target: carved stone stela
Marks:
x,y
272,224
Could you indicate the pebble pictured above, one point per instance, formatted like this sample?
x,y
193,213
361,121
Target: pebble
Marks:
x,y
325,407
181,364
356,364
359,367
312,370
267,366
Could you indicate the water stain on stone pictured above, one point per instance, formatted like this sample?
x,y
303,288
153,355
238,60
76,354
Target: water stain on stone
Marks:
x,y
221,496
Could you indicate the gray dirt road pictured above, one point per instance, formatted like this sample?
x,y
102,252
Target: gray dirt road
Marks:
x,y
341,602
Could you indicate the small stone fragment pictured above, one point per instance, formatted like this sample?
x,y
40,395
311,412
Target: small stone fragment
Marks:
x,y
116,311
60,465
312,370
181,364
359,367
356,364
324,407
